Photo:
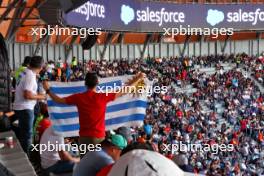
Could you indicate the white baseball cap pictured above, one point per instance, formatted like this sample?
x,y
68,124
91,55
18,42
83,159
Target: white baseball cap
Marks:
x,y
146,163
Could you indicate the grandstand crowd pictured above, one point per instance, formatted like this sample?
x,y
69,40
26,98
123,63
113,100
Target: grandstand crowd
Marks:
x,y
225,108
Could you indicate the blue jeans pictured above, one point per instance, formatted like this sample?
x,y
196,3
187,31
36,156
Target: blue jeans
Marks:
x,y
60,167
25,127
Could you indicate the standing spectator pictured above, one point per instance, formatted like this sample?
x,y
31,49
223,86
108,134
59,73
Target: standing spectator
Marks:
x,y
25,99
184,77
68,73
74,63
91,106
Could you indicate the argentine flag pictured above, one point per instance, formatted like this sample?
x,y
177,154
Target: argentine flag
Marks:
x,y
127,110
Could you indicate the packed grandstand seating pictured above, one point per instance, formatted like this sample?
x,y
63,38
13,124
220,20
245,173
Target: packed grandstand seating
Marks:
x,y
209,100
257,68
59,57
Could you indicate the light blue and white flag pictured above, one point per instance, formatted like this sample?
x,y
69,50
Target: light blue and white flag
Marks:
x,y
127,110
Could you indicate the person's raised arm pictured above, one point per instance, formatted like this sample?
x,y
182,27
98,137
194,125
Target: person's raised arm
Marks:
x,y
53,96
133,83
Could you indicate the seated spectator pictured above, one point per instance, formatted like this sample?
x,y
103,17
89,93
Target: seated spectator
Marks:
x,y
42,126
94,161
42,122
55,161
126,133
182,161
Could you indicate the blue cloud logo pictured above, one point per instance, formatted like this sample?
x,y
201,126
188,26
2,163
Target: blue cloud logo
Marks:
x,y
214,17
127,14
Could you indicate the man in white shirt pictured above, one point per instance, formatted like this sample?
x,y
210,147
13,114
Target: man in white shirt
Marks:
x,y
55,159
25,99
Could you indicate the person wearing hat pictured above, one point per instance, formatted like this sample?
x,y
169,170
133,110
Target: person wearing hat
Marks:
x,y
94,161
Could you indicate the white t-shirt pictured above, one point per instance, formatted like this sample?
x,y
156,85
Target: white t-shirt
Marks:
x,y
28,82
50,156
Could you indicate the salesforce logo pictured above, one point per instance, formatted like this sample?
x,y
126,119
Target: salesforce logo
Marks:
x,y
253,17
214,17
127,14
158,16
90,9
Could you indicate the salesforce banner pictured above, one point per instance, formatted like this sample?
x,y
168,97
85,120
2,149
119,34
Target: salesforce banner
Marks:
x,y
132,15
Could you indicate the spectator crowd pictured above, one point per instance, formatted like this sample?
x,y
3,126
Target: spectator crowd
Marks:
x,y
225,108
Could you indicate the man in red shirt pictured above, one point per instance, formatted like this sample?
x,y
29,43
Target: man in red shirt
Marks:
x,y
243,125
91,107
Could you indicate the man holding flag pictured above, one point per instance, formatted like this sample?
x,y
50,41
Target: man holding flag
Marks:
x,y
92,106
